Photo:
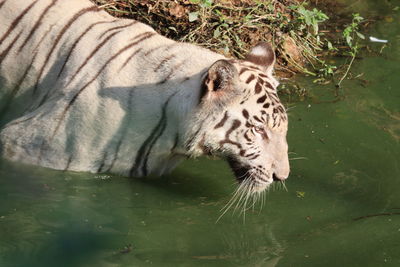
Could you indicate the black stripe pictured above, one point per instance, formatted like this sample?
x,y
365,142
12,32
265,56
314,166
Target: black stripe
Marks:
x,y
74,98
235,124
68,162
262,99
130,58
2,3
77,42
165,48
249,155
134,53
243,70
117,27
189,142
269,85
20,121
281,109
36,51
245,113
222,121
58,39
95,50
247,137
260,177
115,156
144,151
124,129
103,160
17,87
37,25
257,119
16,21
251,77
4,54
148,52
258,88
176,142
162,63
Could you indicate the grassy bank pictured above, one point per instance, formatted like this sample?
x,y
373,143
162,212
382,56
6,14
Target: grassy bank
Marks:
x,y
298,29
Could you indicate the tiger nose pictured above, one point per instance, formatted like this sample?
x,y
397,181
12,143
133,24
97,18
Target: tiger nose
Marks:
x,y
275,177
281,169
281,173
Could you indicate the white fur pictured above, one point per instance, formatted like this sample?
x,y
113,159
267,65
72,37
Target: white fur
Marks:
x,y
100,117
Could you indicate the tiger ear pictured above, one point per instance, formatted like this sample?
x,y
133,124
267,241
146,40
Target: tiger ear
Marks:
x,y
262,55
221,77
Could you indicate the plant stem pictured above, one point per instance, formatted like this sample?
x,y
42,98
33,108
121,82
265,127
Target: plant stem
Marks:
x,y
347,71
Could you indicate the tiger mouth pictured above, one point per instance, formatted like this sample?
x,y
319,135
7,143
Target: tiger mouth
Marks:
x,y
240,171
245,173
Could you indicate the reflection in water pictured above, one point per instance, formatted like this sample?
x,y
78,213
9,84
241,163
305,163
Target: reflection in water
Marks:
x,y
256,246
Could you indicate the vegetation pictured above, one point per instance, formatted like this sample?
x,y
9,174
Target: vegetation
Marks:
x,y
352,35
298,31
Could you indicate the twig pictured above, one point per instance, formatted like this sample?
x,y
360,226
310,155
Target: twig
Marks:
x,y
376,215
347,71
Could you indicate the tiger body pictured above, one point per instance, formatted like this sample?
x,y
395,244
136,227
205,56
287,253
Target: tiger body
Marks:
x,y
84,91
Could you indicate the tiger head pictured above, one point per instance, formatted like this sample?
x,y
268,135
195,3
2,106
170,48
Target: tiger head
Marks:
x,y
240,118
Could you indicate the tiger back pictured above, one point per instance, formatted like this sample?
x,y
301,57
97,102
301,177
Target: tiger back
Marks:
x,y
83,91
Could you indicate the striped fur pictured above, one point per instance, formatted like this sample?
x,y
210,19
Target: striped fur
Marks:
x,y
83,91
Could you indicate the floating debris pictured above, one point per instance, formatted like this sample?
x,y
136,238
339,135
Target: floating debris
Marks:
x,y
376,40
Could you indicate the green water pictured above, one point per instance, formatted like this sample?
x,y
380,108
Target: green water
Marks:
x,y
351,170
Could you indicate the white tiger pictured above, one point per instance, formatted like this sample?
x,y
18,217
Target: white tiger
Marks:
x,y
83,91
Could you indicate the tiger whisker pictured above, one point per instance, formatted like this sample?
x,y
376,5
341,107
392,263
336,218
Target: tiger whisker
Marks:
x,y
243,211
290,108
246,199
231,200
298,158
234,198
242,195
263,200
284,186
255,197
245,190
260,200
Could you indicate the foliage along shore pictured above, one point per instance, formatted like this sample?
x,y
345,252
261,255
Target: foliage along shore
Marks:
x,y
297,29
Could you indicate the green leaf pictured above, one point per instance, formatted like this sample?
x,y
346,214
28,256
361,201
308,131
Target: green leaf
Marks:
x,y
193,16
348,40
300,194
206,3
217,33
360,35
330,46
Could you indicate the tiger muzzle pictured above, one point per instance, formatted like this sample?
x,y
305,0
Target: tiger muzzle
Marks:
x,y
241,171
